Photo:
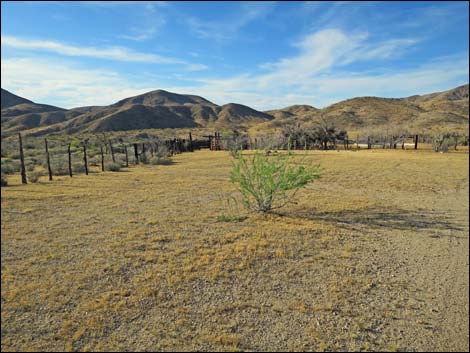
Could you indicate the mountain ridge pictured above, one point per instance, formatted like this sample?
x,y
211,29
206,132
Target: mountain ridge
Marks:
x,y
164,109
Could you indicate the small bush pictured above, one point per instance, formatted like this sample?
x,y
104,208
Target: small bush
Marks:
x,y
79,167
113,167
160,161
10,166
267,183
3,180
95,161
30,166
34,176
162,151
59,166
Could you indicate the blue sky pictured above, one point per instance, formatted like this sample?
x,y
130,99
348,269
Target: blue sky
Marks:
x,y
263,54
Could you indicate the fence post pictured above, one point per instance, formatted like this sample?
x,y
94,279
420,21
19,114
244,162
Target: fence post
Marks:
x,y
369,146
112,151
136,154
48,161
102,158
127,156
70,159
23,169
416,142
144,157
84,158
191,149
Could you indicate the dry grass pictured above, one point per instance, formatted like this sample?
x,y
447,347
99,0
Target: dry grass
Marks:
x,y
138,260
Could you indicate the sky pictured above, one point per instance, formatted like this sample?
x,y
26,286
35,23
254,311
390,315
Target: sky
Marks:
x,y
266,55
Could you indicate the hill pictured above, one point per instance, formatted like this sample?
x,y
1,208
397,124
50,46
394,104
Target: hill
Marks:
x,y
155,109
9,99
162,109
426,113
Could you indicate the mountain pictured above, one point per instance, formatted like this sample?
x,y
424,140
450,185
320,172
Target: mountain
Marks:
x,y
426,113
155,109
293,110
20,114
232,114
162,109
9,99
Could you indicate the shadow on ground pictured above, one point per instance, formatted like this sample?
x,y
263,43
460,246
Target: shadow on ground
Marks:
x,y
394,219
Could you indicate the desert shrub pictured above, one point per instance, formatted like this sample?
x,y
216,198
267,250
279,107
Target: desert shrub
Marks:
x,y
29,145
30,165
144,159
74,145
162,151
93,162
160,161
10,166
120,158
238,141
267,183
59,165
440,142
78,167
113,167
3,180
142,135
13,155
34,176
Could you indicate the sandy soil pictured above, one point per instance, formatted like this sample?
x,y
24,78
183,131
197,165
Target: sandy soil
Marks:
x,y
373,256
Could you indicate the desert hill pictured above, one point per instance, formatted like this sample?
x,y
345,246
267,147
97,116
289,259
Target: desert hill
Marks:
x,y
426,113
163,109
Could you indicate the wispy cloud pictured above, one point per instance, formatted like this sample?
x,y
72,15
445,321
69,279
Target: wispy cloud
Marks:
x,y
107,53
151,20
64,84
319,74
228,28
145,33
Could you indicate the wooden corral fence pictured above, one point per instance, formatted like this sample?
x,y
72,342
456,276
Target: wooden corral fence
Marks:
x,y
391,142
218,143
141,151
144,151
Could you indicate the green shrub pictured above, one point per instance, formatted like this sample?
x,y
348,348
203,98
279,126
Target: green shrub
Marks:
x,y
113,167
34,176
267,183
10,166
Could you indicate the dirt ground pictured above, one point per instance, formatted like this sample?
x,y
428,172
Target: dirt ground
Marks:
x,y
373,256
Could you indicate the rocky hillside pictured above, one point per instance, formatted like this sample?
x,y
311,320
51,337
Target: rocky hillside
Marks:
x,y
426,113
161,109
156,109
